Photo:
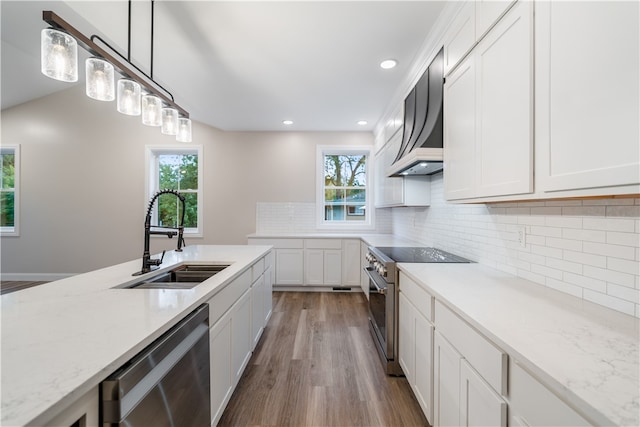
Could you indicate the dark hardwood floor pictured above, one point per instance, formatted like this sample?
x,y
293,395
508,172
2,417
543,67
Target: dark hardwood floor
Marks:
x,y
316,366
12,286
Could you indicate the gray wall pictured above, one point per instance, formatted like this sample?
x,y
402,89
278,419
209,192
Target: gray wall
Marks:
x,y
82,182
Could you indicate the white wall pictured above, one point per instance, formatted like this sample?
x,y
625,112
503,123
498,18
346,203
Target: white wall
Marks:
x,y
82,182
588,248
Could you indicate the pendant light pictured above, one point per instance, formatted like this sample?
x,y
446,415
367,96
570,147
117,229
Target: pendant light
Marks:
x,y
100,79
151,110
169,121
184,130
59,55
129,94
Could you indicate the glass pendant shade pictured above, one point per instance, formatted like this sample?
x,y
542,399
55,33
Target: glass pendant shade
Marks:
x,y
129,97
59,55
151,110
184,130
169,121
100,80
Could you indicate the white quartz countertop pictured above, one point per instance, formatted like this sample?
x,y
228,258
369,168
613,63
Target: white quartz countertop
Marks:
x,y
369,239
587,354
61,339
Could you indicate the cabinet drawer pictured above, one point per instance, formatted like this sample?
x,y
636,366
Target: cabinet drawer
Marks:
x,y
278,243
484,356
257,269
420,298
223,300
323,244
532,404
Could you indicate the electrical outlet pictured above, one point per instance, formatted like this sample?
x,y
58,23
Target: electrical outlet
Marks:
x,y
522,236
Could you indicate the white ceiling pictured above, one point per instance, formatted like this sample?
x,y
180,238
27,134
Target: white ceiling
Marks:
x,y
240,65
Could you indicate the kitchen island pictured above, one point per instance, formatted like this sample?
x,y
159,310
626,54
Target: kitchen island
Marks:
x,y
61,339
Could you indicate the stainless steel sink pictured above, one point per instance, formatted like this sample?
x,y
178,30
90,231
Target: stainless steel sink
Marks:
x,y
185,276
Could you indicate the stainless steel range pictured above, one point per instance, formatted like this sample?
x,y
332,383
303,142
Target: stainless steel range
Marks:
x,y
383,294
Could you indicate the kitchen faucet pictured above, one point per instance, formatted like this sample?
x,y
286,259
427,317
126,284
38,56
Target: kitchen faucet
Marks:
x,y
149,264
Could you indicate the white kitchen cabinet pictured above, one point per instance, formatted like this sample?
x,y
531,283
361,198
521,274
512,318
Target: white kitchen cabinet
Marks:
x,y
364,278
587,95
257,309
473,20
322,262
480,405
351,263
461,35
240,335
221,384
460,131
532,404
416,341
488,113
83,412
289,267
446,383
268,294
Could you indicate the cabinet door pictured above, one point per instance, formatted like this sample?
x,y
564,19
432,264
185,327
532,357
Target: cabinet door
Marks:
x,y
351,263
487,13
394,187
364,279
423,382
504,112
406,337
289,266
332,267
446,393
240,335
480,405
257,309
268,295
461,36
587,94
314,266
460,131
220,367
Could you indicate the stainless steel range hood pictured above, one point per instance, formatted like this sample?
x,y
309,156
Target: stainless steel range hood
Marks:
x,y
421,149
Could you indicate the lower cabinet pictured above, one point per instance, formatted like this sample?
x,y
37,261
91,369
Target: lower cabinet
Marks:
x,y
446,386
289,267
416,350
364,278
479,404
322,267
351,263
238,315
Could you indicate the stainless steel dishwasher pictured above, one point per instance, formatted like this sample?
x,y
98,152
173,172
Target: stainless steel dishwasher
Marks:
x,y
167,384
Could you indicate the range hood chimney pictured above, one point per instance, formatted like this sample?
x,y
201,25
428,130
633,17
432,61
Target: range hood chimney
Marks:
x,y
421,148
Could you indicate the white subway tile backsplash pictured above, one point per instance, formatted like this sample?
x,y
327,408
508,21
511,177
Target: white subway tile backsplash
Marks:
x,y
609,224
588,248
616,251
627,239
622,292
609,301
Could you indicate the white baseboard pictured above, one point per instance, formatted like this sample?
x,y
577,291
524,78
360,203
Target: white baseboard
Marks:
x,y
34,277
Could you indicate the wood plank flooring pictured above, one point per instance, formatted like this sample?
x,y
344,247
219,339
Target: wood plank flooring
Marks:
x,y
316,365
12,286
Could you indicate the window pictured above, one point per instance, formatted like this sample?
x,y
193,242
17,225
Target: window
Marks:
x,y
9,190
343,188
180,169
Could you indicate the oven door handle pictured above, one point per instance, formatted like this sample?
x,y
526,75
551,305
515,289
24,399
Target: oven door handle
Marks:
x,y
374,280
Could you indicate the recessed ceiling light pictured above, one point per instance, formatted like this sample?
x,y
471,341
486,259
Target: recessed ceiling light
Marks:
x,y
362,122
388,63
287,122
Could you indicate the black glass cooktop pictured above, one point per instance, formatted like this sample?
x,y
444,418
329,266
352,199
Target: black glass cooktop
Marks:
x,y
420,254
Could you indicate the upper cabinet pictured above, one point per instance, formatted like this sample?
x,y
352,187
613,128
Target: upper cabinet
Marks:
x,y
472,22
488,113
587,96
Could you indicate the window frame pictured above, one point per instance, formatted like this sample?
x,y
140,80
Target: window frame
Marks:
x,y
15,230
151,180
340,150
